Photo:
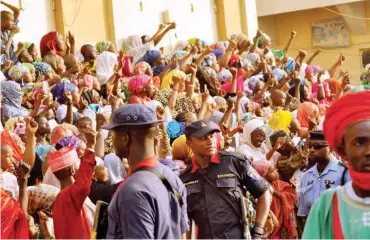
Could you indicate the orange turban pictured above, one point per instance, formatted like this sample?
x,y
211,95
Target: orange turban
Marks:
x,y
347,110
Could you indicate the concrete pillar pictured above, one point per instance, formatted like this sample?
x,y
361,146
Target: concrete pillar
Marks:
x,y
249,18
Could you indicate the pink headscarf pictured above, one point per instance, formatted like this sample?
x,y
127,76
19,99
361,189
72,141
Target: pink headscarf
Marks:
x,y
261,166
307,111
87,81
137,83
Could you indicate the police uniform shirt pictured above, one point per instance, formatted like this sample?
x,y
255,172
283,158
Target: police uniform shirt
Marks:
x,y
313,184
143,208
230,172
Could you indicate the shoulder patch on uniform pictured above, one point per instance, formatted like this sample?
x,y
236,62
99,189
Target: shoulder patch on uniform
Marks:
x,y
310,182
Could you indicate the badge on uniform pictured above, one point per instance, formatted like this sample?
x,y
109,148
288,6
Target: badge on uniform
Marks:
x,y
191,182
226,175
310,182
328,183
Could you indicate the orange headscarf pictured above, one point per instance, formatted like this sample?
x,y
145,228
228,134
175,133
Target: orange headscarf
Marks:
x,y
307,111
13,219
14,142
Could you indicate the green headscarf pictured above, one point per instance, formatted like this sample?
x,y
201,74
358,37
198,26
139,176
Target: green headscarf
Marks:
x,y
102,46
30,67
262,38
27,45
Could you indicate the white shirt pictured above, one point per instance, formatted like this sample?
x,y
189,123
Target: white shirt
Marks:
x,y
9,183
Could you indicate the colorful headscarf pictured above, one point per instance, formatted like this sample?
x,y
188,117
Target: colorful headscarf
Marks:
x,y
102,46
14,223
17,72
42,67
167,80
290,65
342,113
181,45
307,111
105,63
253,57
158,69
218,53
150,57
42,151
16,125
262,38
279,74
62,131
261,166
27,45
12,100
89,95
233,60
224,75
70,141
280,120
179,54
30,67
49,43
41,197
60,88
137,83
193,41
141,68
14,141
220,102
175,129
209,61
87,81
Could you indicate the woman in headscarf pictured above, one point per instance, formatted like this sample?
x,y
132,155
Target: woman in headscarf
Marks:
x,y
253,144
167,79
52,42
307,112
59,90
156,60
105,46
106,63
14,141
134,47
18,73
72,141
280,120
18,126
31,49
11,101
42,68
137,85
283,199
62,131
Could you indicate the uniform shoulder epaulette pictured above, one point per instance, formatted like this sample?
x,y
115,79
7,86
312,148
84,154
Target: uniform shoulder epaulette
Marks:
x,y
237,155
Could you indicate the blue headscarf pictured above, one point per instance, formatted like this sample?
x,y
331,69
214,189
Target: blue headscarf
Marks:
x,y
175,129
60,88
150,57
279,74
12,100
290,65
42,67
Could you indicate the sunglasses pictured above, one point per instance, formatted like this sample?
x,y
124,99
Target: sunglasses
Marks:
x,y
318,146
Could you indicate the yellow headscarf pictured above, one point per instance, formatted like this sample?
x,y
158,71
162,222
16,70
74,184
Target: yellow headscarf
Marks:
x,y
167,80
280,120
181,151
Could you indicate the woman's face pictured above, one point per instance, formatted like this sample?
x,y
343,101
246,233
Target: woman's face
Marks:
x,y
161,60
33,52
81,150
60,43
28,77
44,127
258,137
6,157
76,98
150,90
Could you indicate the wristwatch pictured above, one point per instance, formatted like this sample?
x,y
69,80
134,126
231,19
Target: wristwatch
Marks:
x,y
258,231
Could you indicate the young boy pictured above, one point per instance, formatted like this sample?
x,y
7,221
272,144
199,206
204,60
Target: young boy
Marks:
x,y
9,28
70,215
8,181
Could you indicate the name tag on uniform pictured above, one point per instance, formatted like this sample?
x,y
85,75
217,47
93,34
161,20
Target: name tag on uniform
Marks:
x,y
310,182
329,182
191,182
226,175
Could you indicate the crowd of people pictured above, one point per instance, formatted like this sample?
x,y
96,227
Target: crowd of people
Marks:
x,y
231,139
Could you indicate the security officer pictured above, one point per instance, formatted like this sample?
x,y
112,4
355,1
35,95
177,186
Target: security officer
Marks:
x,y
215,183
328,172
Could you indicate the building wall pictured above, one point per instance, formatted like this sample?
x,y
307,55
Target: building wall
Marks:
x,y
36,20
301,21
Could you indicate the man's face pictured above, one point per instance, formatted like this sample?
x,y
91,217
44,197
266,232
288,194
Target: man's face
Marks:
x,y
120,142
44,127
7,21
83,125
203,146
25,57
319,150
357,146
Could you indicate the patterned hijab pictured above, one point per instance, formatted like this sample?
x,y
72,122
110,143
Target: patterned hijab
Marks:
x,y
41,197
12,99
102,46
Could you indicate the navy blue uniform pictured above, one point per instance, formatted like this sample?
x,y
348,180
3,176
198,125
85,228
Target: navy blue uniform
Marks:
x,y
233,175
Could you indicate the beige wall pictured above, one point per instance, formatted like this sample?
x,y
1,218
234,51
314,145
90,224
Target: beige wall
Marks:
x,y
301,22
85,19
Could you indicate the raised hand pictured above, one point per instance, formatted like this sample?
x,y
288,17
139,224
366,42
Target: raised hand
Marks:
x,y
293,34
22,169
90,136
68,97
240,95
31,126
15,30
